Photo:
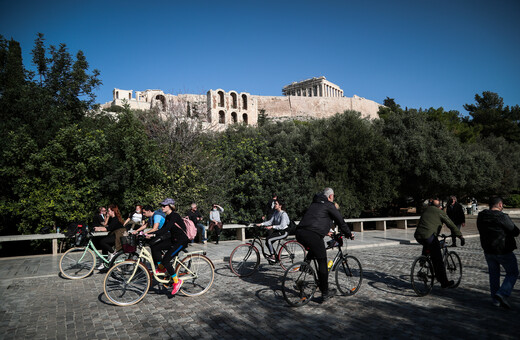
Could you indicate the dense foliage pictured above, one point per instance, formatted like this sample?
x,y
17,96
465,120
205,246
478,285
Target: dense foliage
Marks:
x,y
62,158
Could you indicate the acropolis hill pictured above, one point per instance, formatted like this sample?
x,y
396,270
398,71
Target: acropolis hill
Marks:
x,y
307,99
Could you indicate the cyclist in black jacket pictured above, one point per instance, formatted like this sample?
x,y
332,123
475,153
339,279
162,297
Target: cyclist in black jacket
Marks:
x,y
172,236
314,226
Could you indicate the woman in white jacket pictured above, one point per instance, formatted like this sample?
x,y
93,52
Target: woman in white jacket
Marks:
x,y
276,227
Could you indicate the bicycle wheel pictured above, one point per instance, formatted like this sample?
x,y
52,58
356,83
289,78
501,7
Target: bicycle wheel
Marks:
x,y
121,256
422,275
290,253
349,275
126,283
244,260
77,263
197,274
453,267
299,284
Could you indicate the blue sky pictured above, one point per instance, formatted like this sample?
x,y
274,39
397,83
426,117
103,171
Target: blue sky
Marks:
x,y
421,53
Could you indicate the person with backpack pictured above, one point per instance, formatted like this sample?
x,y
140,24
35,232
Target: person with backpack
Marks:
x,y
155,220
173,238
276,228
196,217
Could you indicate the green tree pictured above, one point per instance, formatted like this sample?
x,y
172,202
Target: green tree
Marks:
x,y
349,154
490,115
428,155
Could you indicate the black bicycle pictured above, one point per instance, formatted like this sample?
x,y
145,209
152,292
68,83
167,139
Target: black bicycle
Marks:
x,y
300,281
423,274
245,258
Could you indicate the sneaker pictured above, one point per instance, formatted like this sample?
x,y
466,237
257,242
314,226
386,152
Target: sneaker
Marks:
x,y
496,303
101,267
328,294
448,284
111,256
176,287
271,259
503,301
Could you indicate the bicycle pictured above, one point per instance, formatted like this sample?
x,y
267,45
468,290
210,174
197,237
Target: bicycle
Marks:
x,y
128,282
80,261
300,281
245,258
423,274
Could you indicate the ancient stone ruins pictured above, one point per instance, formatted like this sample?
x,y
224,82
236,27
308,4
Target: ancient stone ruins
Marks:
x,y
307,99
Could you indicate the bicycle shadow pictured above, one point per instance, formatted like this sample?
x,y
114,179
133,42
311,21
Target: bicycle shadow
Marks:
x,y
397,285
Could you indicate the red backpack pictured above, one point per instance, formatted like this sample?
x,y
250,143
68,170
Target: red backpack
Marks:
x,y
191,230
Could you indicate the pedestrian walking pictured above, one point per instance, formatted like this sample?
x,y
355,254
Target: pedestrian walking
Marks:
x,y
497,237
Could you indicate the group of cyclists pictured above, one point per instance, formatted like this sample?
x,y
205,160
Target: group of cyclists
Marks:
x,y
167,234
165,229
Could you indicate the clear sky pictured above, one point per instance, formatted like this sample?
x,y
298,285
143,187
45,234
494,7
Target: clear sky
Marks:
x,y
421,53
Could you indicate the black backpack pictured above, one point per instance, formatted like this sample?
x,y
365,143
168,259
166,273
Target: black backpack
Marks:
x,y
291,229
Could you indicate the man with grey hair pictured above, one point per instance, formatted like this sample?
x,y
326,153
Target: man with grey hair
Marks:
x,y
312,229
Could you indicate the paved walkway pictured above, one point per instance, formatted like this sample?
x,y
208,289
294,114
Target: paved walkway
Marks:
x,y
37,303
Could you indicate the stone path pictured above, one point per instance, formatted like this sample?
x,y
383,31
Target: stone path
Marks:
x,y
38,304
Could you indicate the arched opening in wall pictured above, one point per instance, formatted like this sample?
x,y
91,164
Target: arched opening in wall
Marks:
x,y
220,98
129,96
117,94
234,117
161,99
244,118
244,102
188,109
234,100
221,117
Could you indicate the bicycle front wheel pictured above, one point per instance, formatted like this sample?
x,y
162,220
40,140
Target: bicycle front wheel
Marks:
x,y
126,283
197,273
349,275
422,275
290,253
244,260
299,284
77,263
453,268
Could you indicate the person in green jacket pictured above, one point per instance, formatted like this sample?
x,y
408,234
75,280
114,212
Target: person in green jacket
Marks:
x,y
426,234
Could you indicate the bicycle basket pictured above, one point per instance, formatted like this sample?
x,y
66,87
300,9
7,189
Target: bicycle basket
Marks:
x,y
129,243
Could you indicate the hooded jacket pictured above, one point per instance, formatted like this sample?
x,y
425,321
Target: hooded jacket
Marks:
x,y
497,232
320,215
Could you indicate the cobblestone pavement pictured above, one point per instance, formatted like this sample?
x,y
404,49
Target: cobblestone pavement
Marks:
x,y
50,307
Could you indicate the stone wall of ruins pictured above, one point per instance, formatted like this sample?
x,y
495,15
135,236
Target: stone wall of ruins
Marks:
x,y
315,107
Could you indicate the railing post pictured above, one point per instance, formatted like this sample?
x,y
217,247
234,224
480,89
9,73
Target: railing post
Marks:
x,y
381,225
54,246
401,224
358,227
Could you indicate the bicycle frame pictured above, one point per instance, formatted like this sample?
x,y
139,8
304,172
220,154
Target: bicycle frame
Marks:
x,y
258,239
145,254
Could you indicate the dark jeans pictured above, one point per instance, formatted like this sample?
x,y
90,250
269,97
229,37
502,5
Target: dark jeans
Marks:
x,y
172,252
314,243
157,249
510,264
432,245
106,243
453,237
